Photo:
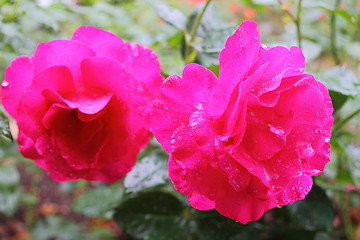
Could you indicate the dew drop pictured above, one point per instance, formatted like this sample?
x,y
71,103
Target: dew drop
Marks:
x,y
327,139
277,131
5,84
308,151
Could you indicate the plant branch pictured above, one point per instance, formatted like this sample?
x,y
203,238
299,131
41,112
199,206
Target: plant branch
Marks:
x,y
345,120
298,25
194,30
295,19
333,34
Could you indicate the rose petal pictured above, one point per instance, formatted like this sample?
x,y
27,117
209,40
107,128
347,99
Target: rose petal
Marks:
x,y
240,53
242,207
201,202
191,92
61,80
62,52
18,77
282,62
78,141
131,56
103,43
294,191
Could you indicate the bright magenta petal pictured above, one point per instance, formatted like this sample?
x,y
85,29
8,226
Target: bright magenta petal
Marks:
x,y
61,80
103,43
64,53
18,77
256,139
191,92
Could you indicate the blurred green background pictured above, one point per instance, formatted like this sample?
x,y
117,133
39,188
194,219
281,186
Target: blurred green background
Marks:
x,y
144,205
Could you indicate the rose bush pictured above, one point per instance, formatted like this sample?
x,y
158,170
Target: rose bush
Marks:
x,y
82,105
250,140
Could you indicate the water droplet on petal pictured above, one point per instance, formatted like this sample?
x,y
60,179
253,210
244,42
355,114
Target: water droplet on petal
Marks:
x,y
308,151
277,131
5,84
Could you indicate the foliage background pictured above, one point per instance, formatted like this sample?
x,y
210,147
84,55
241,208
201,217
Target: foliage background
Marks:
x,y
144,205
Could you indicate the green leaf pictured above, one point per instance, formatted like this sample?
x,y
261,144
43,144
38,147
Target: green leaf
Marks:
x,y
9,175
56,227
98,202
341,82
215,69
211,45
9,200
315,212
4,126
152,215
149,172
101,234
340,12
340,79
170,15
353,49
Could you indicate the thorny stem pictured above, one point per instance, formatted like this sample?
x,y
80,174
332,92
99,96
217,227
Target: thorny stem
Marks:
x,y
333,34
345,120
194,29
296,19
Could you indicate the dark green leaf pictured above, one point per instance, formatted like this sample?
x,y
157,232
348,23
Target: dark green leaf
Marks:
x,y
149,172
315,212
152,215
98,202
170,15
4,126
212,225
338,99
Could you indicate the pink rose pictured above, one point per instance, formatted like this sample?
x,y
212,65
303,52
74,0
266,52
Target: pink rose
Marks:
x,y
82,105
250,140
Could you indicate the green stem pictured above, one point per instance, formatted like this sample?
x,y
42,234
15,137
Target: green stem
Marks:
x,y
345,120
296,19
298,27
197,21
333,34
194,30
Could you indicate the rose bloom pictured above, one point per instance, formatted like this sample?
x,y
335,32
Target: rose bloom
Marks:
x,y
83,105
250,140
